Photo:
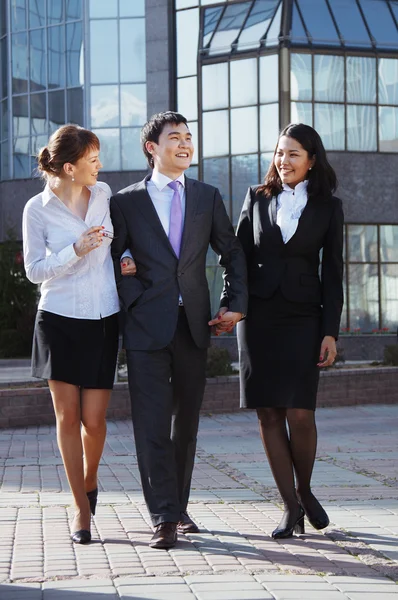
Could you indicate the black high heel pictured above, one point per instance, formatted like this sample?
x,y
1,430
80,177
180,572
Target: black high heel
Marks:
x,y
316,514
92,498
292,526
83,536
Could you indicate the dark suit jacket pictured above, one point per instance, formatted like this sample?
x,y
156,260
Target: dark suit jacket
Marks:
x,y
150,298
294,267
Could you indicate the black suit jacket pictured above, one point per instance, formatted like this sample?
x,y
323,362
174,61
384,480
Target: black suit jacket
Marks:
x,y
294,267
150,298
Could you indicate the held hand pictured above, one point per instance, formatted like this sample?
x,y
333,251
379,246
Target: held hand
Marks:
x,y
128,266
224,321
88,241
328,351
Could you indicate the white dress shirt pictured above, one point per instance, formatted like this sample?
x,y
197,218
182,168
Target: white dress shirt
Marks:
x,y
161,195
71,286
289,206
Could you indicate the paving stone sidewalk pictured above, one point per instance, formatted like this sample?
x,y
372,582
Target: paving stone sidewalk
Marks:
x,y
233,500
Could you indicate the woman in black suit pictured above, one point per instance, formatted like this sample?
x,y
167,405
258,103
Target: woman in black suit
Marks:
x,y
294,313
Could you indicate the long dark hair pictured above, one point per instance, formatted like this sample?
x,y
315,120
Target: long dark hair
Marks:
x,y
322,180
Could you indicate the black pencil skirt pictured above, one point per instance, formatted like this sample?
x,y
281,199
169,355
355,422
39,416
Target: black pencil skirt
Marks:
x,y
82,352
279,344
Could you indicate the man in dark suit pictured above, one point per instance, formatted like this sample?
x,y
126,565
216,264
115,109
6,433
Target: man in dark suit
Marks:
x,y
167,221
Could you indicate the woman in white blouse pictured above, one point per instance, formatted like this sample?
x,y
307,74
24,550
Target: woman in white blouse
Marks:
x,y
67,233
293,314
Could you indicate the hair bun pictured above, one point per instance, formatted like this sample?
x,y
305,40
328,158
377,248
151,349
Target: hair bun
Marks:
x,y
43,160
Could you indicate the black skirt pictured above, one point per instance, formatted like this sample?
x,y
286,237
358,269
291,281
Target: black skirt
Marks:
x,y
279,344
81,352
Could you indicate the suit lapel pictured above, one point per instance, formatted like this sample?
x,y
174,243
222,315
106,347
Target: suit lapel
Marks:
x,y
191,205
268,218
305,223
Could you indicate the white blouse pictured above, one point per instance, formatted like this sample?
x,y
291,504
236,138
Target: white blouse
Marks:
x,y
71,286
289,206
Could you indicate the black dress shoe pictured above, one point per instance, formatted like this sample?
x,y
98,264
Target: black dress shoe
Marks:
x,y
92,498
83,536
291,522
315,513
165,536
186,525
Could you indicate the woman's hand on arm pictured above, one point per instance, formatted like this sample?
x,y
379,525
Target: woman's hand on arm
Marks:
x,y
128,266
328,351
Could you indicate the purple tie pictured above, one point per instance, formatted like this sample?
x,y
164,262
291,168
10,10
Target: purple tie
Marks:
x,y
175,232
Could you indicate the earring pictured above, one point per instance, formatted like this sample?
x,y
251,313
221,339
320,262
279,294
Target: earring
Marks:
x,y
73,179
308,169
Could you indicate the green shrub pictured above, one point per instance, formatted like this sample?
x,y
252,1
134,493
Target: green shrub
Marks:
x,y
391,355
218,362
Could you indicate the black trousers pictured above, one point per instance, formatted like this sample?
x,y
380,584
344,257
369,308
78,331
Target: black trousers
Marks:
x,y
166,392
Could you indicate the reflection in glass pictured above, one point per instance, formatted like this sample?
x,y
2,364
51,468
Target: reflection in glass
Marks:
x,y
301,76
3,19
243,82
133,158
389,244
55,11
187,41
319,22
37,13
21,158
186,3
38,114
56,109
133,104
104,57
364,297
244,173
215,86
56,53
269,127
380,23
388,128
103,8
301,112
193,128
229,27
329,78
215,281
274,30
110,148
215,133
266,159
388,81
361,128
3,67
350,23
132,51
361,79
4,120
38,142
389,297
131,9
192,172
38,60
187,97
74,55
73,9
244,130
210,21
18,14
269,78
257,24
216,172
362,243
329,123
104,110
20,116
19,51
74,104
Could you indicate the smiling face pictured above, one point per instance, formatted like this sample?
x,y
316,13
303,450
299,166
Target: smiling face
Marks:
x,y
291,161
85,170
173,153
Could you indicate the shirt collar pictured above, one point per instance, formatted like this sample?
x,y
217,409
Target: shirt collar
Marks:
x,y
47,194
300,187
161,181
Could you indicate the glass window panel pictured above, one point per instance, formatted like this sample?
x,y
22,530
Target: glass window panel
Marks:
x,y
186,3
361,79
193,128
216,172
187,45
132,9
37,13
269,78
361,128
20,116
298,33
192,172
56,109
211,18
388,81
215,280
394,8
301,112
132,51
364,297
110,148
243,82
133,158
301,76
329,123
3,66
389,244
215,86
266,159
38,142
244,130
20,63
244,173
187,97
206,2
229,27
55,11
105,106
389,297
75,106
133,104
215,133
269,127
388,128
73,9
257,24
103,8
350,23
21,159
18,11
319,22
104,56
74,55
38,60
4,120
3,19
274,31
380,23
362,243
38,114
56,57
329,78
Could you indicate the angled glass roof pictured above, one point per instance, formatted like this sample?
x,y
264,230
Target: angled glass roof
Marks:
x,y
233,26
